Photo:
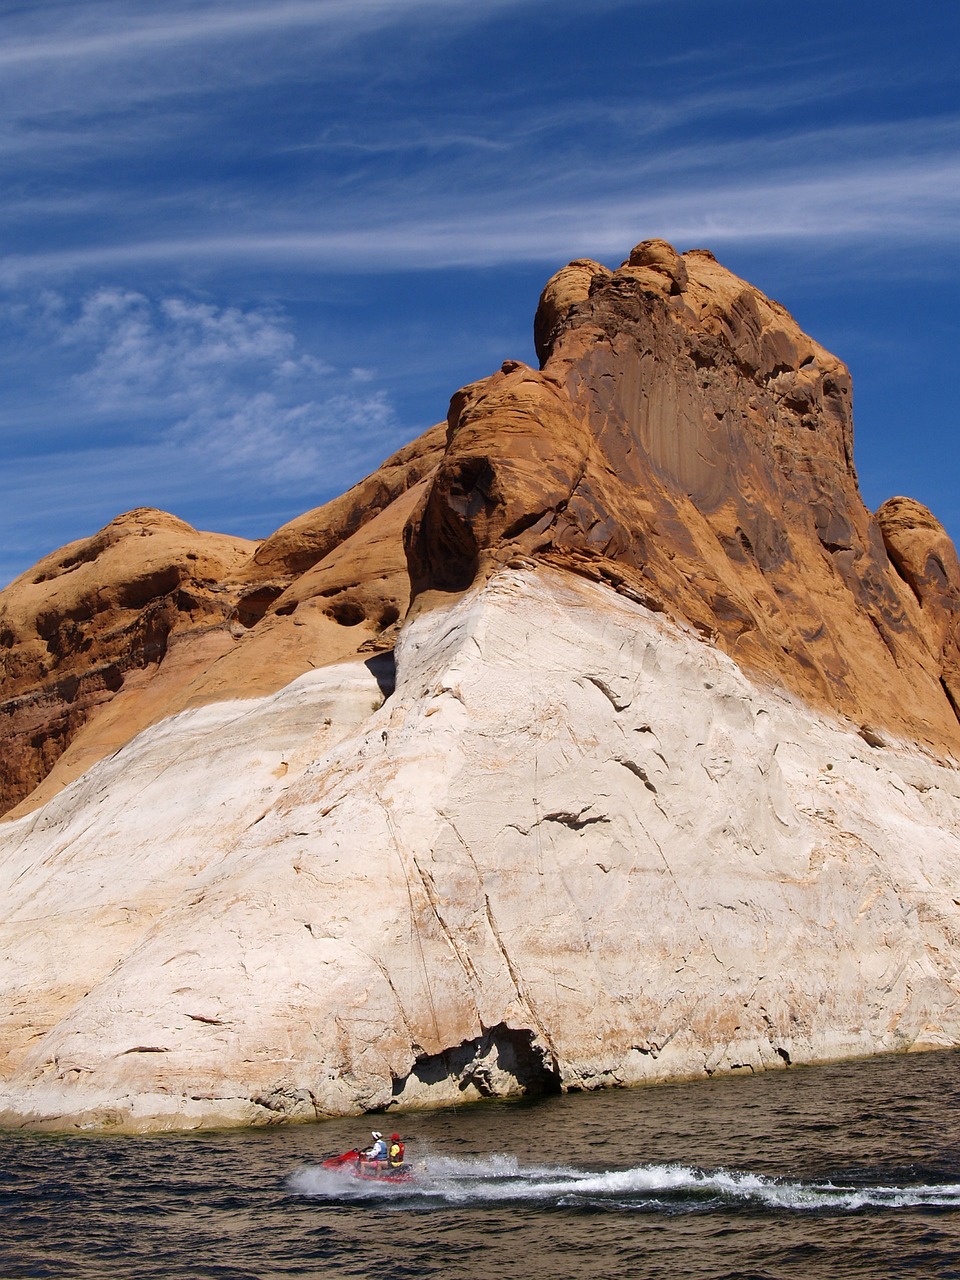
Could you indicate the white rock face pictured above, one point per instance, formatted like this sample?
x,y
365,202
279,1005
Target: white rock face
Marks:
x,y
576,847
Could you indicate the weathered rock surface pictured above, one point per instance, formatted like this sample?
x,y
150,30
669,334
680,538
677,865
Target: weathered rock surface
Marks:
x,y
92,618
109,635
687,443
668,783
650,867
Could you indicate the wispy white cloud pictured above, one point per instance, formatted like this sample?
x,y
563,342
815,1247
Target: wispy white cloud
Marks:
x,y
887,201
106,30
177,347
281,443
490,183
100,77
194,151
229,389
216,413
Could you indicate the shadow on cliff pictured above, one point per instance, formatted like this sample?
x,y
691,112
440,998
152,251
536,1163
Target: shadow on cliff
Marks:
x,y
504,1060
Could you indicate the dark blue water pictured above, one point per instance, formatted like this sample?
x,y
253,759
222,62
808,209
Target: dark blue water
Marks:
x,y
844,1171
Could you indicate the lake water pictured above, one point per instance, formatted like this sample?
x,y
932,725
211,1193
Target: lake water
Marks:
x,y
833,1172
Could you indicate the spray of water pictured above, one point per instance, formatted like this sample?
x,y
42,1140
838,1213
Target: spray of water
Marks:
x,y
443,1181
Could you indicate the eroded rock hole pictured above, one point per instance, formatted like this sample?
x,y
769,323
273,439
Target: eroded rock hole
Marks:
x,y
252,607
347,612
503,1061
473,487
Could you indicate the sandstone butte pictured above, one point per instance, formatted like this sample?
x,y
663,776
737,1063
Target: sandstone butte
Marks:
x,y
602,736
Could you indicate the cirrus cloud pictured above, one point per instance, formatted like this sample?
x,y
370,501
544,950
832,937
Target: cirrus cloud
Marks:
x,y
226,389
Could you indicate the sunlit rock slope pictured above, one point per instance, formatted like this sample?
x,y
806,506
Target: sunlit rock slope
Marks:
x,y
604,738
149,616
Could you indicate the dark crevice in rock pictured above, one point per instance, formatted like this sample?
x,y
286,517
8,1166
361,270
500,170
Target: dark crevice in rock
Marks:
x,y
638,771
575,821
955,707
473,487
501,1061
885,636
383,668
896,561
346,612
528,521
618,702
251,607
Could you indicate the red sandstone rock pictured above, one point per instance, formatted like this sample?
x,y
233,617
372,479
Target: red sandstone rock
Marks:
x,y
111,634
684,442
926,559
687,443
91,618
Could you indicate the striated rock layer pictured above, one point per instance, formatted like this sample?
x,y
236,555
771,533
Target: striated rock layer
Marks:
x,y
655,777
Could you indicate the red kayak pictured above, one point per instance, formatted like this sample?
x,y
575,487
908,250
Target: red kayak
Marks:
x,y
355,1165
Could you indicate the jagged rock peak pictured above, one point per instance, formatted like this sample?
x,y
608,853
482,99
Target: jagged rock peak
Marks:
x,y
685,441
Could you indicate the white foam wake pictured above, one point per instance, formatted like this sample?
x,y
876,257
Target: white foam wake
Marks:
x,y
441,1180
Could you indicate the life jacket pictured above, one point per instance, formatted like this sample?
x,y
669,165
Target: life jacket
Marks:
x,y
396,1153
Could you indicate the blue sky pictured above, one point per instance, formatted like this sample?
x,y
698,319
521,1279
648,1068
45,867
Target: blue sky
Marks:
x,y
250,247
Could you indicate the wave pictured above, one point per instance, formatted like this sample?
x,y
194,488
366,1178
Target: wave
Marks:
x,y
445,1181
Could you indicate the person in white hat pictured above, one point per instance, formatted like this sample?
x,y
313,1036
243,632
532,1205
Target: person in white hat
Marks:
x,y
378,1150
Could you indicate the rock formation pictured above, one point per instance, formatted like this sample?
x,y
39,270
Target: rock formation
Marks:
x,y
686,443
604,738
109,635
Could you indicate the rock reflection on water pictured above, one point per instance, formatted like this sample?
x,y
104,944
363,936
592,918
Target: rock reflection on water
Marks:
x,y
841,1171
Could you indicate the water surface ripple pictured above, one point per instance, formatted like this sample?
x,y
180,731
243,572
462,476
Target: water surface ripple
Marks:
x,y
842,1171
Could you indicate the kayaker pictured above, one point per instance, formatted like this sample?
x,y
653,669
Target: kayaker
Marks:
x,y
395,1152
